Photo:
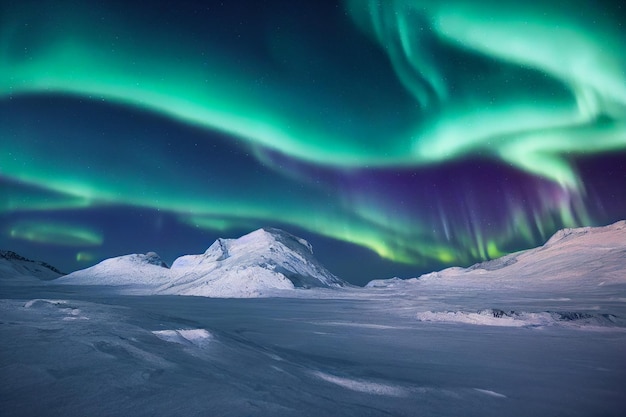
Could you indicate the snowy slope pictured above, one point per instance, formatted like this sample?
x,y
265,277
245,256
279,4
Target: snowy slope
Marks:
x,y
262,261
572,258
576,280
136,269
13,265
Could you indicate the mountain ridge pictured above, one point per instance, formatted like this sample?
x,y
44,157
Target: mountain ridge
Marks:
x,y
270,259
252,265
12,263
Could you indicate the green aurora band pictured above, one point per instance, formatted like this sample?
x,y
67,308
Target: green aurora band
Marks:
x,y
531,131
574,62
65,234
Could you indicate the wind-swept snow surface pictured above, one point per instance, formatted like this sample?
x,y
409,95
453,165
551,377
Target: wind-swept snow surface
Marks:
x,y
254,265
76,351
197,337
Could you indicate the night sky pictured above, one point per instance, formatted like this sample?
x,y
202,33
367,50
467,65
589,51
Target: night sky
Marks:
x,y
398,137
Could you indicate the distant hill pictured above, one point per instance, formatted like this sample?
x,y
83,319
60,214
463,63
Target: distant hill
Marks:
x,y
585,256
14,265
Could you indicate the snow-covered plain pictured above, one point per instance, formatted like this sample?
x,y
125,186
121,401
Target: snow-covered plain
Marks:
x,y
538,333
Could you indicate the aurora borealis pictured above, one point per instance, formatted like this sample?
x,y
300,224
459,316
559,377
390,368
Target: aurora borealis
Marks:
x,y
397,136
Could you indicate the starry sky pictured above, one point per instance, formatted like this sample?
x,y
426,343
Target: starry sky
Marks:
x,y
398,137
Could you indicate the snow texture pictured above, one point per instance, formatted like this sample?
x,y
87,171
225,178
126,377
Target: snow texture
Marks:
x,y
496,317
368,387
196,337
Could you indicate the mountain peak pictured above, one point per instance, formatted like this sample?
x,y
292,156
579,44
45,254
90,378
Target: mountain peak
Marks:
x,y
153,259
567,234
268,235
278,256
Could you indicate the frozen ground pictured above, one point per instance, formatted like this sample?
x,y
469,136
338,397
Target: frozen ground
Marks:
x,y
418,351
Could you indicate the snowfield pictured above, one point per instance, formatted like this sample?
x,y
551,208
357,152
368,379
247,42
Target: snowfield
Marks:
x,y
537,333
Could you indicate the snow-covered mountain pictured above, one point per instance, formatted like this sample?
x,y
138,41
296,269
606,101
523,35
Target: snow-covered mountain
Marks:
x,y
132,270
571,258
15,266
259,261
253,265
